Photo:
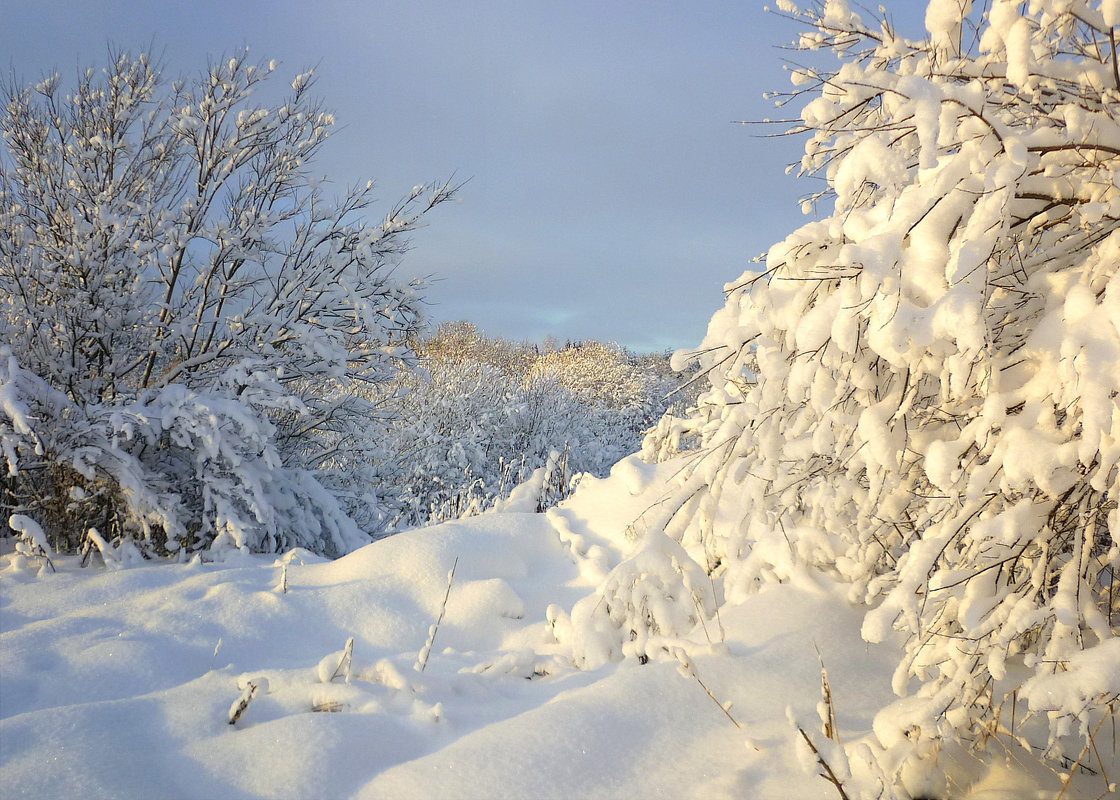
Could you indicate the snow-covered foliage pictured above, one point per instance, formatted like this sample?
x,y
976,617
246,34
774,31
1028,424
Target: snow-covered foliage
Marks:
x,y
655,594
173,468
601,375
193,328
480,415
935,420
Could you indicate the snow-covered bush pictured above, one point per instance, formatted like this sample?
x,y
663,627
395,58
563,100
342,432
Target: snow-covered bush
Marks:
x,y
173,469
602,375
658,592
479,415
935,419
194,331
446,438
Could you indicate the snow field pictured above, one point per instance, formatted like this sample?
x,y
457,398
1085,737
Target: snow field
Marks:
x,y
112,687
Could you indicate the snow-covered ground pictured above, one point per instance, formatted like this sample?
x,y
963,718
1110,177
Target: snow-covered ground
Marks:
x,y
119,683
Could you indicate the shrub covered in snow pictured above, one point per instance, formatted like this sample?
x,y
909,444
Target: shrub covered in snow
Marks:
x,y
194,331
935,419
480,415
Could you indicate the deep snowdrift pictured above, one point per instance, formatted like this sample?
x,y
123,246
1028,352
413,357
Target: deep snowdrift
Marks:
x,y
112,686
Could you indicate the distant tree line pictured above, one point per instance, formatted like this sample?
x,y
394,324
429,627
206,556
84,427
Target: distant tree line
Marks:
x,y
478,415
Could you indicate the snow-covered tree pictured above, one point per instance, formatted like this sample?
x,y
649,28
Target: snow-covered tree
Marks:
x,y
480,414
446,441
600,374
194,329
935,419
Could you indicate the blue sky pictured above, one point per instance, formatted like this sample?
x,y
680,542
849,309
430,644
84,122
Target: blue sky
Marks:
x,y
611,195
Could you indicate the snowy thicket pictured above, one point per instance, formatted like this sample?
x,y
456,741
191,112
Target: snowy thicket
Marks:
x,y
194,330
479,415
935,420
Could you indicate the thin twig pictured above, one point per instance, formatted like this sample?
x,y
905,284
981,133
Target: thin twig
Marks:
x,y
1069,777
828,718
214,658
719,622
347,659
722,707
829,775
422,660
242,702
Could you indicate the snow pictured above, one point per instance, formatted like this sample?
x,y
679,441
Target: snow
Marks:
x,y
1111,11
880,550
127,656
121,682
